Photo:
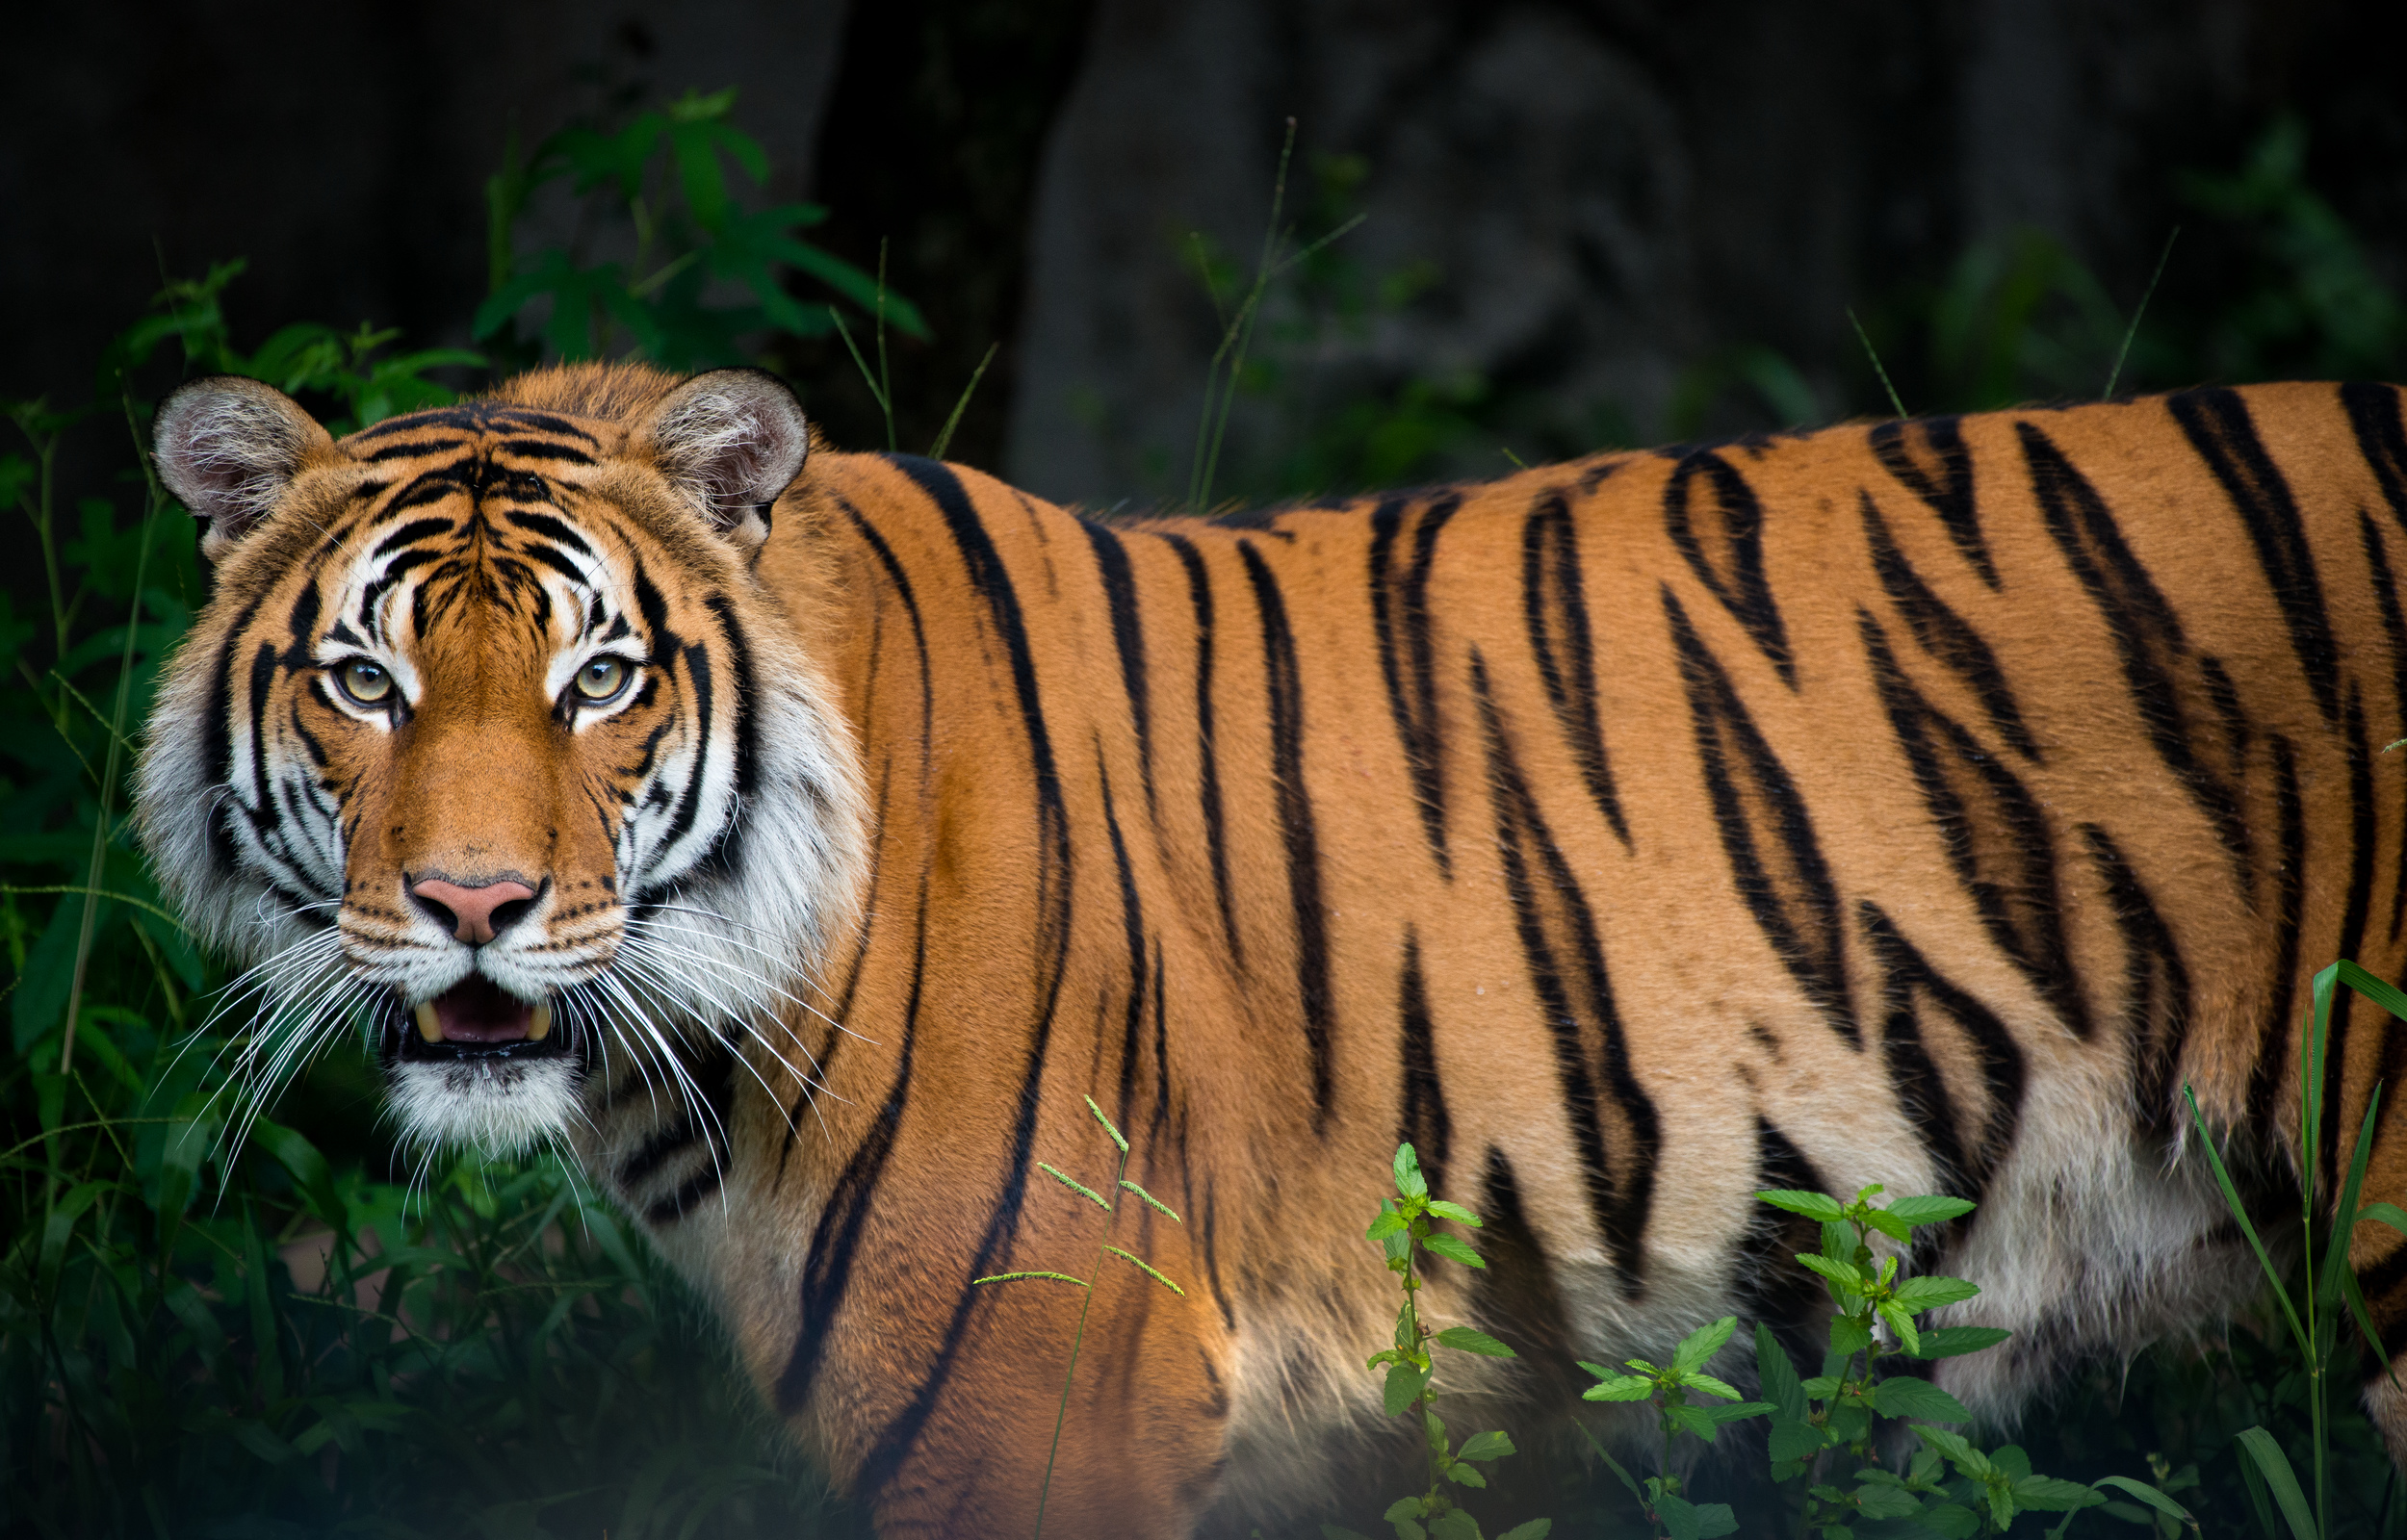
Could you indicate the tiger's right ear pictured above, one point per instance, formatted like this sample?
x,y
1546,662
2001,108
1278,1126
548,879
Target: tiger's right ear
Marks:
x,y
227,448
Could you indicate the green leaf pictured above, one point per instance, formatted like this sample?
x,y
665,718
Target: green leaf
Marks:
x,y
2273,1465
1777,1375
1888,1224
1390,1222
1846,1275
1900,1322
1621,1388
2389,1213
1714,1520
1726,1415
1882,1502
1848,1335
2149,1495
1699,1346
1404,1385
1813,1205
1485,1446
1471,1339
1932,1209
1956,1448
1929,1292
1452,1211
1794,1440
1409,1178
1951,1520
1465,1475
1680,1518
1535,1529
1453,1250
2049,1494
1691,1420
1405,1509
1904,1396
1695,1380
2239,1214
1455,1524
1951,1342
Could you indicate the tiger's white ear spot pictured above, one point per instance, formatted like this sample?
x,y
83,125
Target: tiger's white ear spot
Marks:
x,y
731,440
227,448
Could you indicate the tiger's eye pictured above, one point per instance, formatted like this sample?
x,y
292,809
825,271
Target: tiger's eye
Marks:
x,y
601,678
365,684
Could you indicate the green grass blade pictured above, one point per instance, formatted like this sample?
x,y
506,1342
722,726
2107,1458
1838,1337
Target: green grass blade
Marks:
x,y
2345,1226
1151,1200
1875,356
2240,1213
945,438
1108,1127
2274,1467
1010,1277
1146,1267
2133,330
1075,1185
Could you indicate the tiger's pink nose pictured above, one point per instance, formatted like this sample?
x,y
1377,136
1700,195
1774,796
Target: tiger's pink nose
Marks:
x,y
474,913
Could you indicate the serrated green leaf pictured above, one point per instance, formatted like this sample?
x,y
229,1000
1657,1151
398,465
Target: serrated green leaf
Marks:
x,y
1776,1375
1930,1209
1471,1339
1904,1396
1951,1342
1453,1250
1842,1274
1701,1345
1455,1524
1409,1178
1848,1335
1621,1388
1403,1387
1452,1211
1879,1500
1465,1475
1714,1520
1693,1419
1390,1222
1795,1440
2049,1494
1888,1224
1901,1323
1929,1292
1709,1385
1813,1205
1679,1516
1405,1509
1726,1415
1493,1446
1951,1520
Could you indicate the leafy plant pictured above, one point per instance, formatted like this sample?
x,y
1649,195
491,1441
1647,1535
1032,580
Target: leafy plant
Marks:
x,y
1103,1247
2313,1315
1405,1228
1669,1387
666,172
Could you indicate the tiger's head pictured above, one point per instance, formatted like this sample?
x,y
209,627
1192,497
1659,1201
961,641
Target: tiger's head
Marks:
x,y
492,737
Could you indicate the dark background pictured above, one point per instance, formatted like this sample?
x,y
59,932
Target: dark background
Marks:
x,y
1579,215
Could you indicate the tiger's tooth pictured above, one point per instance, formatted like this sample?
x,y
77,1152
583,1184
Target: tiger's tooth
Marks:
x,y
428,1027
541,1027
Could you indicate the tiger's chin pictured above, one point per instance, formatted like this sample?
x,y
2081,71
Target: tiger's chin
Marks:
x,y
476,1068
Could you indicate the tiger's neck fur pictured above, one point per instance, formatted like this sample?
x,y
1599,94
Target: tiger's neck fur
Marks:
x,y
1924,803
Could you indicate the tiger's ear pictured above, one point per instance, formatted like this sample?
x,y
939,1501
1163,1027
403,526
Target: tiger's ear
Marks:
x,y
731,441
227,448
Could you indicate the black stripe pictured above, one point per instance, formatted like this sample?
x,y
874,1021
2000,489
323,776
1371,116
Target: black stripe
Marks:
x,y
1721,534
1566,961
2361,838
1928,459
539,449
689,1192
2156,1003
1132,934
1283,682
2394,635
1997,838
1119,594
1515,1298
2220,429
689,801
1555,607
1408,660
2274,1048
1215,842
1422,1121
553,529
1774,859
1944,634
2374,415
415,530
836,1240
2177,694
747,719
1966,1142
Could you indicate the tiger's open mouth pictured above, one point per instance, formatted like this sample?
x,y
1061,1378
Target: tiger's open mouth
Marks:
x,y
476,1018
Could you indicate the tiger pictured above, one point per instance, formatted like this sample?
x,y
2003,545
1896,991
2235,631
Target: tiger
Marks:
x,y
799,839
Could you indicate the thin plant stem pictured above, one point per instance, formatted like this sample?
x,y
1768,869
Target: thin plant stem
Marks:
x,y
1062,1412
936,451
2133,330
885,381
1873,354
117,740
1219,389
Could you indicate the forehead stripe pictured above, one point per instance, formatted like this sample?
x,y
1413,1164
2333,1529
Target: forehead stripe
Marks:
x,y
415,530
553,529
543,450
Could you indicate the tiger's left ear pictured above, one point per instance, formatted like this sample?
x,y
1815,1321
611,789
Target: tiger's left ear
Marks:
x,y
731,440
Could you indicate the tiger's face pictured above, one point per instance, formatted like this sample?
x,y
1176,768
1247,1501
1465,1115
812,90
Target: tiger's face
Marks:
x,y
491,739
